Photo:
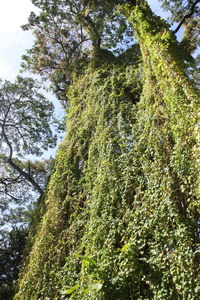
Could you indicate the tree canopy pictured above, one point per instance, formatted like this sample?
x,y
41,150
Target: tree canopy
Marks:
x,y
25,119
67,33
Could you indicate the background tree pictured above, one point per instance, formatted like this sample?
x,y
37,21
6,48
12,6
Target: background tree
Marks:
x,y
186,14
25,122
11,253
27,129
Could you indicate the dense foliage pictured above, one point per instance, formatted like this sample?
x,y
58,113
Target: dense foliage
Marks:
x,y
11,253
120,217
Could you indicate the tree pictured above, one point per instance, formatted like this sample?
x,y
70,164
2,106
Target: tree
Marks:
x,y
11,253
121,218
68,35
186,15
25,122
183,12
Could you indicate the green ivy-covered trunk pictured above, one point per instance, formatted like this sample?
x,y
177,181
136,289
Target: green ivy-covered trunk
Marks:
x,y
85,202
167,199
120,218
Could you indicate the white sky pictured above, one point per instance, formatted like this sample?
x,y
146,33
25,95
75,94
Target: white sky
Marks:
x,y
13,40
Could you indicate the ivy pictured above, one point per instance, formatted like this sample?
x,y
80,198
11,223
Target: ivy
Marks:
x,y
122,207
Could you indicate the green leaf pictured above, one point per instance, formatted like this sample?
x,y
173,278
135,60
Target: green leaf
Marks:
x,y
126,247
72,289
86,259
97,286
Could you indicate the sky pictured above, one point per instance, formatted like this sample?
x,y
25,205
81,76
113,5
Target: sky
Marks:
x,y
13,41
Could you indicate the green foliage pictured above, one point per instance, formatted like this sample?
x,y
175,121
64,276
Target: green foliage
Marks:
x,y
11,253
25,117
66,35
121,217
188,13
97,100
26,120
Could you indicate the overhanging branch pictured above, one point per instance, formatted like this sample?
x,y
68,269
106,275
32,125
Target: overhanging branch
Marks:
x,y
188,15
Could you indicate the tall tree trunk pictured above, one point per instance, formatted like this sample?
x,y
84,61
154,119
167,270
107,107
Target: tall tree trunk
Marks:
x,y
168,146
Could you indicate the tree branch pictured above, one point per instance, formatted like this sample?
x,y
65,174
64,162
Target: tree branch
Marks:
x,y
188,15
25,175
9,195
4,133
11,162
94,33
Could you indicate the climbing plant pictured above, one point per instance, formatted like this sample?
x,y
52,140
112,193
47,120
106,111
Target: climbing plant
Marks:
x,y
120,218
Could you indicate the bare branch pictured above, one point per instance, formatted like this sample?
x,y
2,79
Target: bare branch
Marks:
x,y
10,195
